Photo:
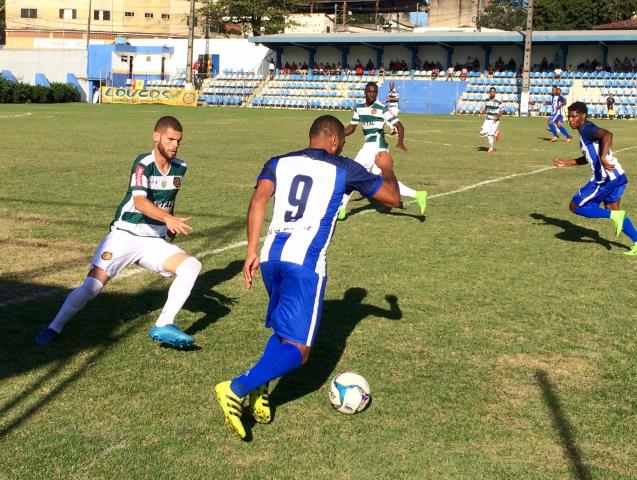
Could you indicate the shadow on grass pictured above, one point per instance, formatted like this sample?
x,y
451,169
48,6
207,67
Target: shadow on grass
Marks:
x,y
340,318
104,321
575,233
382,209
562,427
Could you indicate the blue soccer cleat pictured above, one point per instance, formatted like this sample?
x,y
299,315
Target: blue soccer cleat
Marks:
x,y
46,336
170,335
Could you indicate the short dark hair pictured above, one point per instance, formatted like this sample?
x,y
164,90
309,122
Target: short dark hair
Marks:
x,y
327,125
578,107
371,84
168,122
493,88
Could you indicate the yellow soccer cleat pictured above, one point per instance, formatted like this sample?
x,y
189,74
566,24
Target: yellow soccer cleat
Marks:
x,y
618,216
260,404
232,407
421,200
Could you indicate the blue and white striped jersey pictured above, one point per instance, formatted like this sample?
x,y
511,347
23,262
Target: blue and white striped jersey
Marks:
x,y
558,101
309,186
591,147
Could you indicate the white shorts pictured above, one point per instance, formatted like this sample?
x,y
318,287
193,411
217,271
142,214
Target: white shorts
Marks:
x,y
118,249
393,110
366,156
489,128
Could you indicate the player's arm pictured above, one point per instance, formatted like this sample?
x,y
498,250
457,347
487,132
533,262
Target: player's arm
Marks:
x,y
562,162
351,128
388,193
254,224
605,138
150,210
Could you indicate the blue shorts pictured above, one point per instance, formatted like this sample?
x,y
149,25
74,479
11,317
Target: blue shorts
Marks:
x,y
296,300
609,192
556,117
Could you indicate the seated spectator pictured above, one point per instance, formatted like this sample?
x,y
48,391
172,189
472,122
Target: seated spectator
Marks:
x,y
403,65
435,71
359,69
381,70
617,64
626,65
511,66
287,68
476,65
304,68
463,74
369,66
499,64
450,71
544,64
490,70
557,73
294,68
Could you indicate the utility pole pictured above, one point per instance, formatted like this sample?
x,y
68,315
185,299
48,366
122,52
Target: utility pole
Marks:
x,y
191,38
526,67
88,25
478,13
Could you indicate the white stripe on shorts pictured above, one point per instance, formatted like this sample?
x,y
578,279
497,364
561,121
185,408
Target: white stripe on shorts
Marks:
x,y
317,296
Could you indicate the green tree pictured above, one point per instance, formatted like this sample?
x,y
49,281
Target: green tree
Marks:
x,y
262,16
580,14
505,15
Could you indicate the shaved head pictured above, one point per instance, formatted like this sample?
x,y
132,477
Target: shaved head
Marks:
x,y
326,126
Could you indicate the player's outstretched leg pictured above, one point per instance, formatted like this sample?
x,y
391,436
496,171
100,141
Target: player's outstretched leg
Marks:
x,y
232,407
165,330
342,211
259,404
75,301
629,229
618,217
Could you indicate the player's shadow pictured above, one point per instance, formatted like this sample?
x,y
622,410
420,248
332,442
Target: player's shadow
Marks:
x,y
562,427
482,149
574,233
382,209
340,318
104,322
546,139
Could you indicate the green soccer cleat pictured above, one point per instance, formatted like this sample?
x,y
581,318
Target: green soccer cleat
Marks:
x,y
342,213
617,216
232,407
260,404
632,252
421,200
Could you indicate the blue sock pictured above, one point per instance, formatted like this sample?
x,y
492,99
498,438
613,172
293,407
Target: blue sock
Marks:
x,y
629,229
592,211
564,131
278,359
553,129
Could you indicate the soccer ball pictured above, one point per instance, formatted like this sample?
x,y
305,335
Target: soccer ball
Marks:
x,y
349,393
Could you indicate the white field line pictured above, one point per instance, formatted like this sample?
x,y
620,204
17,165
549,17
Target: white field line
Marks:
x,y
16,115
136,270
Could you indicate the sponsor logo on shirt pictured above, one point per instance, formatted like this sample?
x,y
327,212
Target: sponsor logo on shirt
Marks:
x,y
139,176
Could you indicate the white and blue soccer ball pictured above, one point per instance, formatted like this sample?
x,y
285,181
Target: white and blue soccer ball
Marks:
x,y
349,393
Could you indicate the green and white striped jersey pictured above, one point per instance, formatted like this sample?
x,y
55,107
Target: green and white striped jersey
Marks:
x,y
147,180
493,108
373,119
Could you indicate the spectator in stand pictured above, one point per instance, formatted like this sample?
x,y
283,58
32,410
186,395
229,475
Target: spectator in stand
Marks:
x,y
544,64
287,68
476,65
450,71
304,68
511,65
499,64
381,70
271,67
370,65
617,64
403,65
626,65
359,69
490,70
336,69
463,74
610,107
435,71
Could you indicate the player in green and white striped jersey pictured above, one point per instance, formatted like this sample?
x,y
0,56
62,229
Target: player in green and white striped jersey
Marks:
x,y
142,220
373,115
493,109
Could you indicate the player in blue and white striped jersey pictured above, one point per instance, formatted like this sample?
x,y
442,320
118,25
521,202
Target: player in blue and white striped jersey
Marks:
x,y
556,119
608,181
308,186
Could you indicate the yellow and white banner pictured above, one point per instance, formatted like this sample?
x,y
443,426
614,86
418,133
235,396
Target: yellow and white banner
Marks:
x,y
173,96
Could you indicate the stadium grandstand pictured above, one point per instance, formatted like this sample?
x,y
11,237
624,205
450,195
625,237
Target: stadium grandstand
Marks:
x,y
436,71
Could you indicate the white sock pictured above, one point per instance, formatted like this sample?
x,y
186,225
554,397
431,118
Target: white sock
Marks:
x,y
405,191
346,198
490,138
179,291
75,302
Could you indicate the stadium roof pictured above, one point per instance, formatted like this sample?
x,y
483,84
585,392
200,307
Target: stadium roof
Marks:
x,y
629,24
365,6
448,38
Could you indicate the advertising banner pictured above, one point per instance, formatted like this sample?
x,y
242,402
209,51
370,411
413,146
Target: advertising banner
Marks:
x,y
173,96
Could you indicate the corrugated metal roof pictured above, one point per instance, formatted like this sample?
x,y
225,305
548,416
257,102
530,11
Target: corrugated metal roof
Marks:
x,y
450,38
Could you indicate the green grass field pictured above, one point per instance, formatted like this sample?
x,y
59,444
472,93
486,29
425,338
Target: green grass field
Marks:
x,y
512,354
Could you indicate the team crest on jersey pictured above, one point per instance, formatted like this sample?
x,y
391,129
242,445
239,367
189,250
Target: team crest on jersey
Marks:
x,y
107,256
176,182
374,111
